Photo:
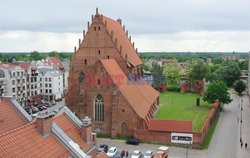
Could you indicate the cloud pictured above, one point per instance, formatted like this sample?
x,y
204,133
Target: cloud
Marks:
x,y
162,25
176,42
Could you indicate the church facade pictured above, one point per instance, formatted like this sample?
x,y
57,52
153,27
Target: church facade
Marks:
x,y
106,80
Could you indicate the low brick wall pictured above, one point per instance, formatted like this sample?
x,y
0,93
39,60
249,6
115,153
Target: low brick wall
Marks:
x,y
165,137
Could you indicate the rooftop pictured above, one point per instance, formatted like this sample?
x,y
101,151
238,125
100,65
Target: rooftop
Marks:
x,y
9,118
140,95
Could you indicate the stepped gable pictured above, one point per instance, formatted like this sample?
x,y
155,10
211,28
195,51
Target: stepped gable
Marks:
x,y
122,40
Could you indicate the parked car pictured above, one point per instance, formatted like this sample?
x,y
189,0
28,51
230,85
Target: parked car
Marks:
x,y
112,152
148,154
102,148
136,154
59,99
162,152
35,109
133,141
42,107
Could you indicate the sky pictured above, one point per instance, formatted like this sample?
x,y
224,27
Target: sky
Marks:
x,y
155,25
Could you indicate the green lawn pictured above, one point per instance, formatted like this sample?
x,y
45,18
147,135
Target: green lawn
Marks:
x,y
182,106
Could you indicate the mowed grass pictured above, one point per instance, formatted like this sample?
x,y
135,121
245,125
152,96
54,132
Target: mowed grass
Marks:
x,y
182,106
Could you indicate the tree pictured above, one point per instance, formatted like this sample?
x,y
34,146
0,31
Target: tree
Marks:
x,y
239,87
243,65
199,71
157,71
53,54
217,90
218,60
173,74
35,56
229,73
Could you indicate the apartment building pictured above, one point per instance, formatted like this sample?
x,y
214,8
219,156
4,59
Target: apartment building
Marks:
x,y
13,82
51,84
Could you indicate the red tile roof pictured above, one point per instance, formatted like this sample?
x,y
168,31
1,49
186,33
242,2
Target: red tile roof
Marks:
x,y
24,65
71,130
170,126
140,96
56,62
169,60
9,118
27,142
122,40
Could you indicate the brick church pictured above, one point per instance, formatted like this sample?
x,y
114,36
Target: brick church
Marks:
x,y
105,80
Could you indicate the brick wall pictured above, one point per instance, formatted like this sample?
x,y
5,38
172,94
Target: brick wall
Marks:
x,y
165,137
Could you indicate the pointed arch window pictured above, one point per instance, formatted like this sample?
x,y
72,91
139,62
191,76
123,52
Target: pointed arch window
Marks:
x,y
99,108
81,77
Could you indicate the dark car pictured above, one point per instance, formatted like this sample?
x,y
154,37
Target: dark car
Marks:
x,y
103,148
59,99
133,141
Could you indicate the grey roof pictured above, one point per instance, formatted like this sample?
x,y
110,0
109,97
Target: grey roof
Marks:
x,y
53,72
65,64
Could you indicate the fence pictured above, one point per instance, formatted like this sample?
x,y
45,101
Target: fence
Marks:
x,y
165,137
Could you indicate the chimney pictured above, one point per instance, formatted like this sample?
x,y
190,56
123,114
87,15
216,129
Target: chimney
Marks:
x,y
86,130
129,38
133,44
123,28
75,49
127,33
44,123
88,24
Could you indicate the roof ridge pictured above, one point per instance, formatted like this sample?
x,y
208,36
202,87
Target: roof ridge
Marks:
x,y
18,128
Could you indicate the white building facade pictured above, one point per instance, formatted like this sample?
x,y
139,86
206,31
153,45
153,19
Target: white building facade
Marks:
x,y
51,83
13,82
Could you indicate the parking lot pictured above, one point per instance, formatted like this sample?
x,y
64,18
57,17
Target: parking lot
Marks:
x,y
174,152
52,107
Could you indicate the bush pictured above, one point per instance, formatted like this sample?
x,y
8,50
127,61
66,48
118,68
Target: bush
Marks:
x,y
173,88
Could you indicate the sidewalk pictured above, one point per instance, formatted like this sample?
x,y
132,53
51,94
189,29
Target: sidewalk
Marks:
x,y
244,153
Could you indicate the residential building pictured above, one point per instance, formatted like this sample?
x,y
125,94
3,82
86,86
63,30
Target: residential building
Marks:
x,y
51,83
63,135
13,82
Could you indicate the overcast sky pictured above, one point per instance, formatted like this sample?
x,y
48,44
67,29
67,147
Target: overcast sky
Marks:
x,y
155,25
